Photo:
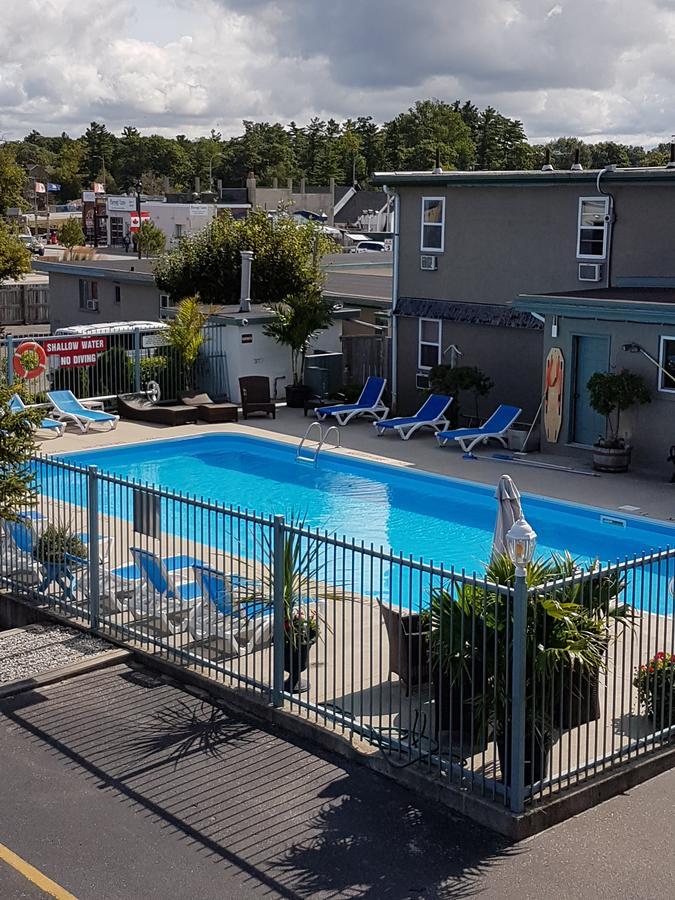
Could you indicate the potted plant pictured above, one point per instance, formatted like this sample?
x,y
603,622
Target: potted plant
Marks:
x,y
451,380
610,394
53,549
472,637
655,683
297,320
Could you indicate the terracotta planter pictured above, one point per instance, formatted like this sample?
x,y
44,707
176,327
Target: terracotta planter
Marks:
x,y
408,647
611,459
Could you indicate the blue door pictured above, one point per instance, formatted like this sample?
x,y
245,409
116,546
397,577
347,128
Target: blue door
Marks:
x,y
591,354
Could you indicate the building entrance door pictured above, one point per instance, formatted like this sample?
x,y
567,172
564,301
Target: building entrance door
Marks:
x,y
591,354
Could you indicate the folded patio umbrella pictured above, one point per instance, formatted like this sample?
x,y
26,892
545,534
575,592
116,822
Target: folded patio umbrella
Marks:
x,y
508,511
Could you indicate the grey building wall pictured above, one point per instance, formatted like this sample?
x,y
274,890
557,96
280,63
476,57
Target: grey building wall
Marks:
x,y
504,241
651,427
510,356
138,301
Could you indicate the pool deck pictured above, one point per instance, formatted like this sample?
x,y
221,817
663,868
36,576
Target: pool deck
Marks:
x,y
651,493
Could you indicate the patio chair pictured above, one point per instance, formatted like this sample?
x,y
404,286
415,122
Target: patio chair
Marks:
x,y
207,409
173,596
114,592
212,631
369,404
69,409
140,409
495,427
256,614
16,405
430,415
255,396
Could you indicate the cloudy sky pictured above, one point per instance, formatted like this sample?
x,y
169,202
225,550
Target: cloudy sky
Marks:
x,y
593,68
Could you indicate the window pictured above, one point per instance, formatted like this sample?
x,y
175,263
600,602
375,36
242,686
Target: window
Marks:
x,y
433,224
118,293
592,231
178,231
667,361
88,294
429,354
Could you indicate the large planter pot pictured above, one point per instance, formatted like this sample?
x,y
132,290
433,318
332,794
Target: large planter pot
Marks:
x,y
456,711
296,660
536,763
297,395
611,459
408,647
580,702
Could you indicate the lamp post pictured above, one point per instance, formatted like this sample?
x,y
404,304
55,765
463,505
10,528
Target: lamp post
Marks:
x,y
139,188
521,541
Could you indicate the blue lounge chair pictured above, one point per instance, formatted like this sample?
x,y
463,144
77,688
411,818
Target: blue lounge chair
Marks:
x,y
16,405
495,427
68,408
431,414
156,575
369,404
219,589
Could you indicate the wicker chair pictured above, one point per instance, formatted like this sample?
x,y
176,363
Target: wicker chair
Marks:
x,y
255,396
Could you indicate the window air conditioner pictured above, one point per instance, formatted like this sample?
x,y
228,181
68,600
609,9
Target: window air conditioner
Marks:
x,y
92,305
428,263
422,382
590,271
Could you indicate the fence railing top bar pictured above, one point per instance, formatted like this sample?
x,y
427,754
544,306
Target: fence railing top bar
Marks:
x,y
603,571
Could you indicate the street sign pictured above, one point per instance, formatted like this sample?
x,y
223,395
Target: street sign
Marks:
x,y
121,204
153,340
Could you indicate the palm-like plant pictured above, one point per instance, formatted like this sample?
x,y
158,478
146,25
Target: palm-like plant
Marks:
x,y
298,319
185,333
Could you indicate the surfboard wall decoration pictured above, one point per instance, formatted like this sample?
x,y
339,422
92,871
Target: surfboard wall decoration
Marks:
x,y
553,399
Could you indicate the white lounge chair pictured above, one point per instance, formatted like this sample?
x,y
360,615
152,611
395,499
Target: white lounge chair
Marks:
x,y
369,404
214,632
495,427
16,405
430,415
69,409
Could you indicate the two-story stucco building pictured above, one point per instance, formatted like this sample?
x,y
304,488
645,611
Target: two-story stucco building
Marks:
x,y
507,265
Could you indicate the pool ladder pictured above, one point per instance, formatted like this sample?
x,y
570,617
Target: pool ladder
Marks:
x,y
312,453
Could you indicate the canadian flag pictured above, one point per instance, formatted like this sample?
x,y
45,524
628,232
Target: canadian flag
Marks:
x,y
98,188
133,220
40,188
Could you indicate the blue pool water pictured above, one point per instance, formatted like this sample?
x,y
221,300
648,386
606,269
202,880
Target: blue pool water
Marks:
x,y
439,519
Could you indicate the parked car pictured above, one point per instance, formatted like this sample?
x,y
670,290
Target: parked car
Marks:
x,y
35,245
369,247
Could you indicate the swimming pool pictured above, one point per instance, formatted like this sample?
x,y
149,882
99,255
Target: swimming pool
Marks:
x,y
411,512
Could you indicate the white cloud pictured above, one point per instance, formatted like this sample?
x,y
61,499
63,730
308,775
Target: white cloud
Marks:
x,y
595,70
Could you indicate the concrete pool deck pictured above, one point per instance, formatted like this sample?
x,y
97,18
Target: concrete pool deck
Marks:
x,y
650,493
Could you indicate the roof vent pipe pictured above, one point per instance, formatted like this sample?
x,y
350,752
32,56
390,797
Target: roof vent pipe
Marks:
x,y
245,293
576,166
547,167
671,163
438,170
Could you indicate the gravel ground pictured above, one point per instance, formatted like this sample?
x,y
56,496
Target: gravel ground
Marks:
x,y
38,648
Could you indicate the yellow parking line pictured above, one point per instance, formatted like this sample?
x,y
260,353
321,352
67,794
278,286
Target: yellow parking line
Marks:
x,y
30,873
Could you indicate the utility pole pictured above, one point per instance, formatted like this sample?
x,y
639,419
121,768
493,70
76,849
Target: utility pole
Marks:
x,y
139,188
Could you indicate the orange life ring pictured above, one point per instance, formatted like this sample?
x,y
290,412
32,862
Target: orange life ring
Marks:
x,y
21,361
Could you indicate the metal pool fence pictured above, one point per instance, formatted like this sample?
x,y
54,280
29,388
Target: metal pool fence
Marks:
x,y
108,363
480,685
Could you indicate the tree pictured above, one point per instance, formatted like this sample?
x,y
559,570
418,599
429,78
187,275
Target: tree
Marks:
x,y
16,448
14,256
185,334
151,239
296,321
71,234
12,180
286,260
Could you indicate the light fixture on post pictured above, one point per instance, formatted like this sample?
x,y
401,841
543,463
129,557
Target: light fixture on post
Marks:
x,y
521,540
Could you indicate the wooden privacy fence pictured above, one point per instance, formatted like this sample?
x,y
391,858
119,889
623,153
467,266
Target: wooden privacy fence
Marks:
x,y
24,304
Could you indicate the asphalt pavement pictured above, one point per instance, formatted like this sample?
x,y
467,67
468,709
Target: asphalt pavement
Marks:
x,y
119,785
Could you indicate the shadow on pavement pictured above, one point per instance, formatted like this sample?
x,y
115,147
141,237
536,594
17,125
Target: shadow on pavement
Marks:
x,y
289,820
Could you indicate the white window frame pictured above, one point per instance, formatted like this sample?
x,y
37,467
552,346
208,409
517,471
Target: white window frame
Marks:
x,y
421,343
440,225
662,378
591,256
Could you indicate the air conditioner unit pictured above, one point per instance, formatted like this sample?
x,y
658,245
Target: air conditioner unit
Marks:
x,y
428,263
590,271
92,305
422,382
